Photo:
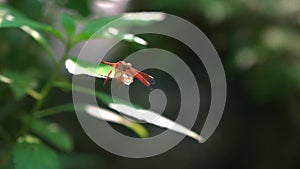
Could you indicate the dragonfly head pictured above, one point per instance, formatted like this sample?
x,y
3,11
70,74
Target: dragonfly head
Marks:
x,y
125,66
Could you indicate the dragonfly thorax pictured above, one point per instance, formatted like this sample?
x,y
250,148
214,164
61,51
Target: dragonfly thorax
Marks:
x,y
123,73
124,66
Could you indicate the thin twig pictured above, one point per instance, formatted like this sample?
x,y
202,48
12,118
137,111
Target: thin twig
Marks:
x,y
54,110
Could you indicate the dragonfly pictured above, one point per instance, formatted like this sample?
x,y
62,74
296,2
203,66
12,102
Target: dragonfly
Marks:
x,y
125,73
121,71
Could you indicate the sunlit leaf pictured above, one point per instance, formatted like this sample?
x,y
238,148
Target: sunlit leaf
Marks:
x,y
30,153
10,18
115,33
110,116
52,133
155,119
91,27
112,33
68,23
128,19
142,18
81,67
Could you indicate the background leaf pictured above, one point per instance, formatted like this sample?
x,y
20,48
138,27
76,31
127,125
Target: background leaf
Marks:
x,y
160,121
52,133
30,153
91,27
68,23
110,116
10,18
40,39
18,82
128,19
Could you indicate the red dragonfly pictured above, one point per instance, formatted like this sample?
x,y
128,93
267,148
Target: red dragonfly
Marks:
x,y
125,73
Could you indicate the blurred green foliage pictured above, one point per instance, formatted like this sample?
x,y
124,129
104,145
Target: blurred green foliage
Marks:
x,y
20,149
258,42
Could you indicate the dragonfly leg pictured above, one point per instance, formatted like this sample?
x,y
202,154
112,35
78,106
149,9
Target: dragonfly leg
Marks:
x,y
148,77
143,80
107,63
114,66
140,77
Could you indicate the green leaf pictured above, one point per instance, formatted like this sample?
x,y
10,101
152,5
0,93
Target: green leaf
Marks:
x,y
128,19
20,83
68,23
10,18
140,130
40,39
110,116
161,121
30,153
111,33
30,28
53,134
91,27
81,67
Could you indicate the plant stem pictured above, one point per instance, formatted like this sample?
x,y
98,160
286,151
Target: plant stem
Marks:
x,y
45,91
54,110
33,94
